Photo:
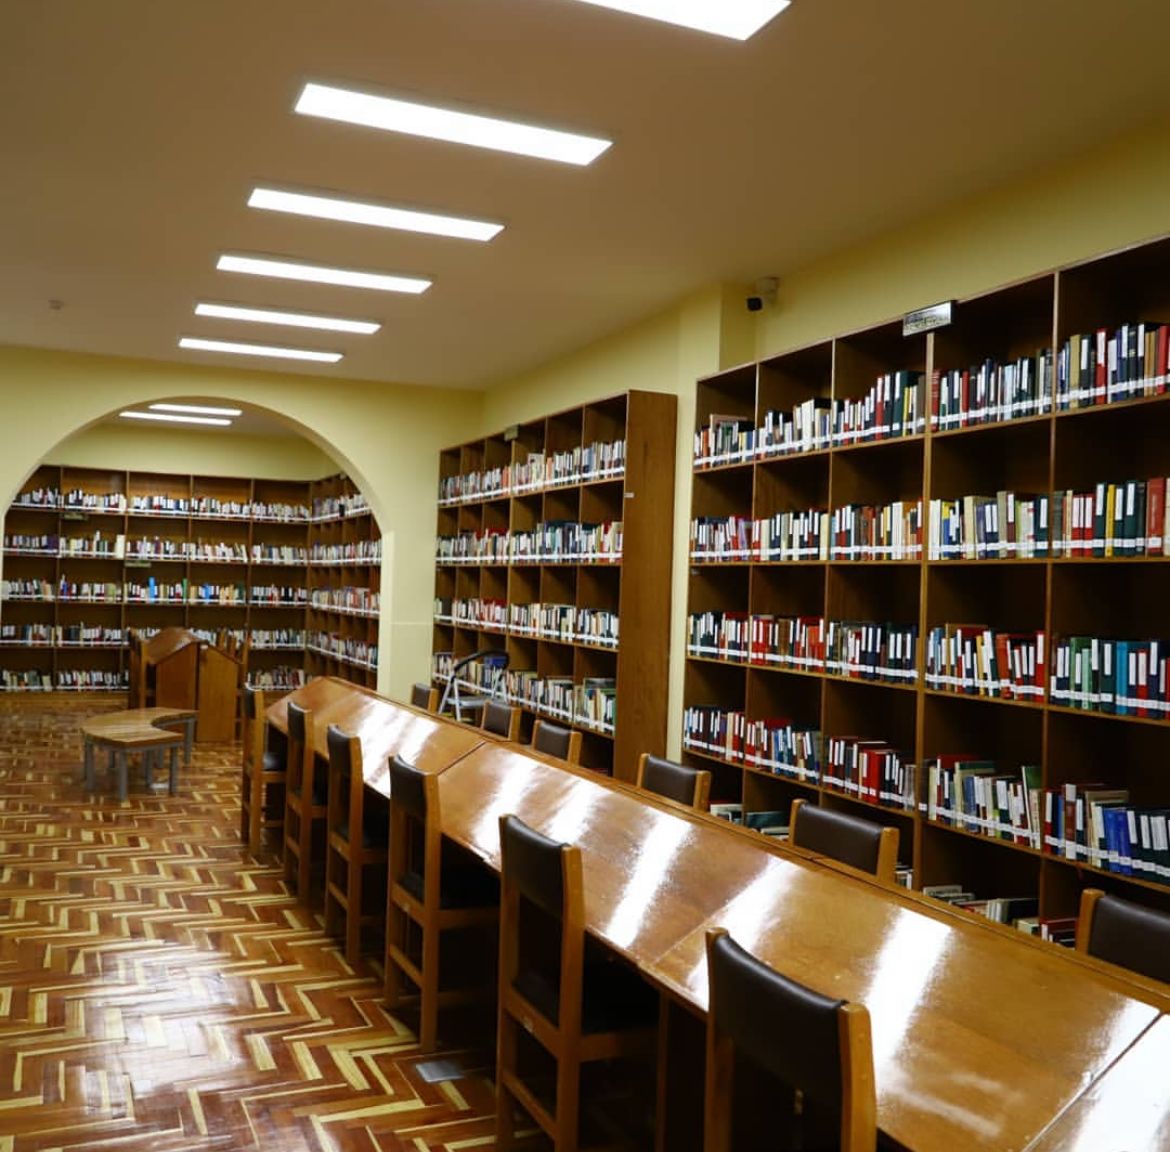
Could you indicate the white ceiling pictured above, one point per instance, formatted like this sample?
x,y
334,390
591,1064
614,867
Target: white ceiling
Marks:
x,y
132,131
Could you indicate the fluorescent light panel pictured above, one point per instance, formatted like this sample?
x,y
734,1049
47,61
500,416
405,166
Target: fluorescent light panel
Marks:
x,y
201,345
289,319
320,274
162,417
445,124
196,409
735,19
377,215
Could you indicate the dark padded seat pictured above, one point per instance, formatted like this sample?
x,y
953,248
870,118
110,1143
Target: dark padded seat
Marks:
x,y
1125,933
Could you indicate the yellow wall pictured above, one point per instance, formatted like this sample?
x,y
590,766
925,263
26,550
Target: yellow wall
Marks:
x,y
387,438
199,452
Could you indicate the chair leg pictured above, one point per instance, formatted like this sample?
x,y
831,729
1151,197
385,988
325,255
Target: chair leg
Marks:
x,y
428,1026
568,1104
505,1059
305,847
353,911
395,938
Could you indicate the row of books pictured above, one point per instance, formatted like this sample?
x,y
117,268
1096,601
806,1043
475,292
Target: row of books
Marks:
x,y
554,541
259,638
859,649
848,532
981,796
152,591
1017,911
1004,526
564,622
539,470
1126,518
869,770
346,600
892,408
352,552
283,678
1117,677
1102,367
339,507
976,660
64,680
345,648
590,702
992,393
1097,825
62,635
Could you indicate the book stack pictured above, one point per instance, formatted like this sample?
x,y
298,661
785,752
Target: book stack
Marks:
x,y
715,732
975,660
876,532
990,393
1126,518
1008,525
869,770
776,745
1103,367
1117,677
979,796
865,650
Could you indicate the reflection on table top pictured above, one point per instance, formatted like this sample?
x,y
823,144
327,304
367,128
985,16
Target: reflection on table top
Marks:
x,y
1126,1110
980,1039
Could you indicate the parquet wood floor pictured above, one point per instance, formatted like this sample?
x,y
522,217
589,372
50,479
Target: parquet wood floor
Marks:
x,y
160,990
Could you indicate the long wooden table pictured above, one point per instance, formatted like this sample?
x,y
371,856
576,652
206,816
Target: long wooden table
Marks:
x,y
980,1040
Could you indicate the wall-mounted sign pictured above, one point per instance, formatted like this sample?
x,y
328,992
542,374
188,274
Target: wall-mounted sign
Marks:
x,y
925,319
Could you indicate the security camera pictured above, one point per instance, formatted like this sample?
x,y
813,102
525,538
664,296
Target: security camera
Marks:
x,y
765,293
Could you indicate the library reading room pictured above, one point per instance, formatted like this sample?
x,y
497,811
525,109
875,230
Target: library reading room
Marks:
x,y
584,574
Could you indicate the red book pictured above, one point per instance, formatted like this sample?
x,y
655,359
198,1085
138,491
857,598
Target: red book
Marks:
x,y
1163,353
1155,512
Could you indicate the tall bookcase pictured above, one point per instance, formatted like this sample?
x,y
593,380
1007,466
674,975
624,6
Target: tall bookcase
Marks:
x,y
887,613
290,566
554,543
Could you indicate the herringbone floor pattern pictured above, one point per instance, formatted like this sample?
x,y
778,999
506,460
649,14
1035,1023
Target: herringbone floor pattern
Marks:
x,y
160,990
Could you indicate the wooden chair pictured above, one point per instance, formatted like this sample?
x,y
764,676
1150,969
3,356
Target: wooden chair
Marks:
x,y
304,800
425,697
551,739
428,893
689,786
502,720
1124,933
862,844
263,776
812,1054
356,847
578,1005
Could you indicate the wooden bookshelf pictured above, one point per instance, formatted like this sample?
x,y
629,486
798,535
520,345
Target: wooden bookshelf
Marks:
x,y
922,576
553,514
93,553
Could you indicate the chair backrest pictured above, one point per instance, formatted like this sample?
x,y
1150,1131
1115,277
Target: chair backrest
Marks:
x,y
300,748
816,1045
415,832
345,781
546,876
1124,933
501,719
424,696
553,740
862,844
690,786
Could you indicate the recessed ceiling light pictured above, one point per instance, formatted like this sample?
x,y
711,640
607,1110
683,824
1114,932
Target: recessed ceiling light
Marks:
x,y
196,409
735,19
445,124
258,350
319,274
291,319
379,215
176,419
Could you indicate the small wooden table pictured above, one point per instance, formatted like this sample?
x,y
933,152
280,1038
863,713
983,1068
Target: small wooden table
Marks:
x,y
138,730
